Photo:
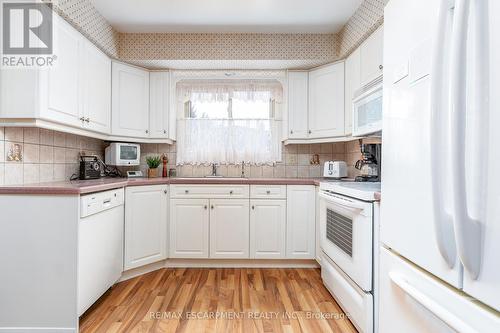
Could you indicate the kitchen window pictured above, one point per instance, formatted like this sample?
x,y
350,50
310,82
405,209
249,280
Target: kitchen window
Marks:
x,y
228,122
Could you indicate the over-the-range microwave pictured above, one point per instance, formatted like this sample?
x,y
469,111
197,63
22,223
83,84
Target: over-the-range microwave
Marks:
x,y
367,109
118,153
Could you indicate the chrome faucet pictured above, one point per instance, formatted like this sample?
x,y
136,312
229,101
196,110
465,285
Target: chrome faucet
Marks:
x,y
214,169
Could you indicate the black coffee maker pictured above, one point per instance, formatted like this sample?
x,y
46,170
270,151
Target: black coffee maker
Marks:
x,y
369,165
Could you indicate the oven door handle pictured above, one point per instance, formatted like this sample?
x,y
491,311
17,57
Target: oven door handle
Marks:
x,y
341,202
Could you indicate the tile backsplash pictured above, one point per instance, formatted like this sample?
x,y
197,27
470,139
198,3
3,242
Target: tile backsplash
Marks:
x,y
46,155
295,161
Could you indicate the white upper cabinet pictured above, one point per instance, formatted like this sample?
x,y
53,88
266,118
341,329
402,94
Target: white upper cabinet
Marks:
x,y
130,101
159,88
298,105
96,89
301,222
229,228
63,81
146,213
326,101
352,83
267,228
371,53
189,225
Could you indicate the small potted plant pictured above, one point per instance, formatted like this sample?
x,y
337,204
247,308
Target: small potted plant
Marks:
x,y
153,164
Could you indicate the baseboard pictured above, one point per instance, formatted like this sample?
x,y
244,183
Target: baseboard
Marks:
x,y
220,263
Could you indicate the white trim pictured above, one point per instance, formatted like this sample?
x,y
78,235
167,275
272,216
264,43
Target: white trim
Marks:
x,y
219,263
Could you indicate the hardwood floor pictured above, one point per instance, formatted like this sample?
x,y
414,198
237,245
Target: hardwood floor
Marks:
x,y
218,300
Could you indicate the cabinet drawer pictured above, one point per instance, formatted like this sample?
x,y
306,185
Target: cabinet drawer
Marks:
x,y
268,191
209,191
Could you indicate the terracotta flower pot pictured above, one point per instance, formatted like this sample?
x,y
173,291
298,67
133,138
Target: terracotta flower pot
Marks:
x,y
152,173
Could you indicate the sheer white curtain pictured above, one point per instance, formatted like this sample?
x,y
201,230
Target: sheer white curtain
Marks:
x,y
248,137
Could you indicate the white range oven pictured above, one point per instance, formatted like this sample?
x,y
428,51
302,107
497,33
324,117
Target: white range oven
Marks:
x,y
347,239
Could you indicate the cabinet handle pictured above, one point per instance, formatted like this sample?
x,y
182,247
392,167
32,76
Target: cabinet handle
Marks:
x,y
186,191
231,192
82,119
380,67
291,131
87,119
212,207
268,192
205,207
253,207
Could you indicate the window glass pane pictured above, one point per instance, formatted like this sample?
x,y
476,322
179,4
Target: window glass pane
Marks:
x,y
209,109
248,109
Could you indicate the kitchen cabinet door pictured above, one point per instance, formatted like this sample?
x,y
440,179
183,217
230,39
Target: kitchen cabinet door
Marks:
x,y
301,220
61,83
267,229
130,101
96,82
229,228
326,101
352,83
159,85
146,213
189,227
371,52
298,105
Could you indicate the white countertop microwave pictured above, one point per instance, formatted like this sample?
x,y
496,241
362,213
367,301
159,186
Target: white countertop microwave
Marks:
x,y
118,153
367,109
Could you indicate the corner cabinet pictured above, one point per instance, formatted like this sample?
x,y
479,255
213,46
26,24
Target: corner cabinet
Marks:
x,y
298,105
326,101
301,222
159,89
146,221
371,53
130,101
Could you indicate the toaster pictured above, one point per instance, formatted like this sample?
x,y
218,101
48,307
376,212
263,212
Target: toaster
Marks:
x,y
335,169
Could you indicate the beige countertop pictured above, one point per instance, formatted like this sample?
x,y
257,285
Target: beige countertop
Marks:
x,y
78,187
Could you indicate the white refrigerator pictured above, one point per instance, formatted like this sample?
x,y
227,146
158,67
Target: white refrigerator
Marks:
x,y
440,207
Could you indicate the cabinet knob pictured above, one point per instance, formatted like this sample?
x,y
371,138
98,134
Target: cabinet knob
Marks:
x,y
268,192
165,191
164,131
231,192
309,131
147,131
291,131
380,67
206,207
82,119
212,207
87,120
186,191
253,207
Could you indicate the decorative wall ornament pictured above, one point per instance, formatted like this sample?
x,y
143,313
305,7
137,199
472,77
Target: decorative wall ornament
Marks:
x,y
15,153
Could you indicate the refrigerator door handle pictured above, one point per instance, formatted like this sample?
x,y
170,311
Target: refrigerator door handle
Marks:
x,y
468,231
452,320
443,222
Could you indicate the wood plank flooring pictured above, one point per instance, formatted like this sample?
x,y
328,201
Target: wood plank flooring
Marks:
x,y
218,300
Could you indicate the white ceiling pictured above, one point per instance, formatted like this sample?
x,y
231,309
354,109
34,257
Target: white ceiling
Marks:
x,y
227,16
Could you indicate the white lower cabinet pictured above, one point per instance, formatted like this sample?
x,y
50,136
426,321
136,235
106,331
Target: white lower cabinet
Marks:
x,y
229,228
301,219
146,213
267,229
189,225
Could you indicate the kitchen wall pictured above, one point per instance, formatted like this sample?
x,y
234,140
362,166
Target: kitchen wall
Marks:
x,y
45,155
295,161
